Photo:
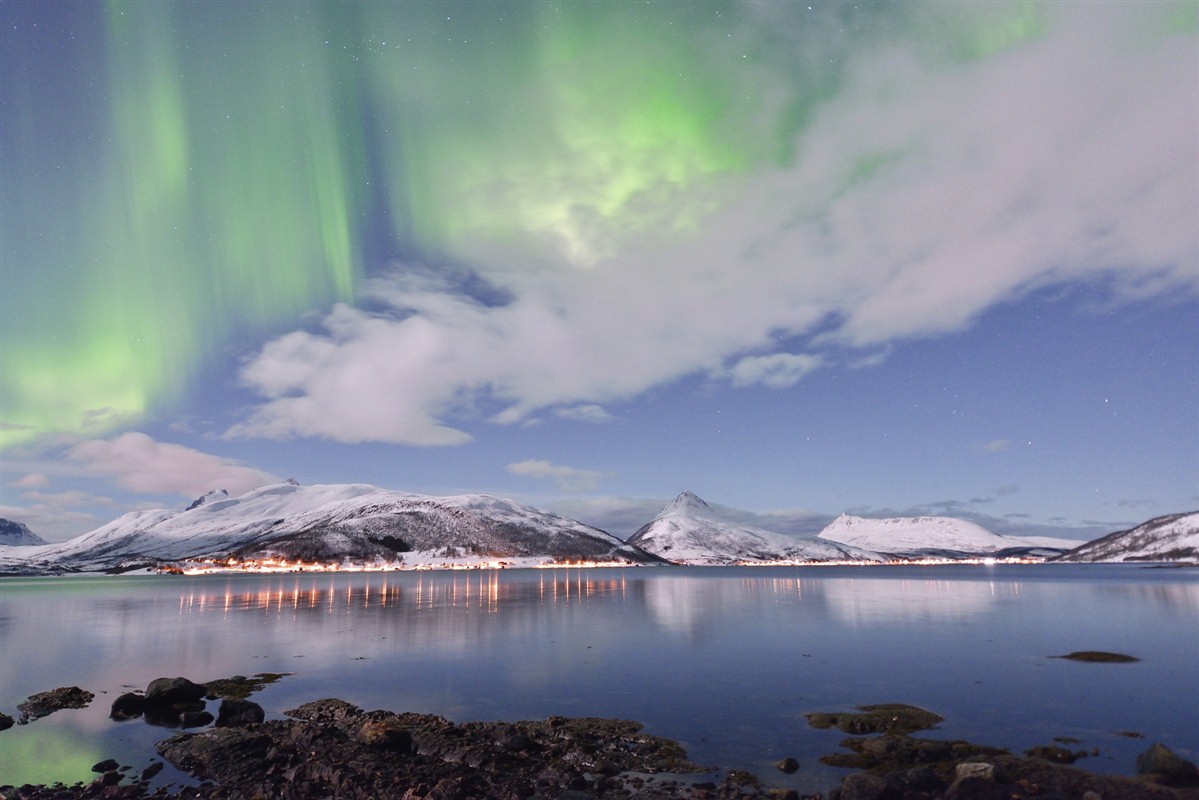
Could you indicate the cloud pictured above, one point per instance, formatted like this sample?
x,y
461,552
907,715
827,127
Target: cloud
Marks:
x,y
52,523
777,371
567,479
925,190
34,480
588,412
140,464
69,499
997,445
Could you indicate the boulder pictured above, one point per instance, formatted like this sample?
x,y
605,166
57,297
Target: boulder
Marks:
x,y
194,719
128,706
237,713
787,765
173,691
6,722
1163,766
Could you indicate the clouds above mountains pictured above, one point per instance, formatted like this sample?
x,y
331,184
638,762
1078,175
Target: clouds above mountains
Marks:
x,y
924,191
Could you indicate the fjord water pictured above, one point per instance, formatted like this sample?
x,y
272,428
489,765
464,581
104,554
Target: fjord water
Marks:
x,y
725,660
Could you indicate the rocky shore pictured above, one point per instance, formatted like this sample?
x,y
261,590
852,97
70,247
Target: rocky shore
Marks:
x,y
332,749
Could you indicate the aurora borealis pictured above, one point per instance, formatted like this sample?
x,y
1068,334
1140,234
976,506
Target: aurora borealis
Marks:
x,y
402,225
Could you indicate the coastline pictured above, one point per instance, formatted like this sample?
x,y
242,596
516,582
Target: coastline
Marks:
x,y
330,748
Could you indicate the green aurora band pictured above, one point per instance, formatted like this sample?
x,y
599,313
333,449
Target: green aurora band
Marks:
x,y
185,175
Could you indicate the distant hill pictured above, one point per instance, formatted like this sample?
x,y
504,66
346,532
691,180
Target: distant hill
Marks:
x,y
329,524
926,537
689,531
16,534
1174,537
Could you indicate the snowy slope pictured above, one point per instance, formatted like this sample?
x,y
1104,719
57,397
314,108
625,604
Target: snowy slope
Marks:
x,y
329,523
1174,537
688,531
924,536
15,534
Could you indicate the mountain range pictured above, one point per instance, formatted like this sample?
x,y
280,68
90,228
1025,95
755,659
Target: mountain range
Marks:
x,y
364,524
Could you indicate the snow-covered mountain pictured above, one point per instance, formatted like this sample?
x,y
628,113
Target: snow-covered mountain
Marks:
x,y
915,537
1174,537
688,531
16,534
329,523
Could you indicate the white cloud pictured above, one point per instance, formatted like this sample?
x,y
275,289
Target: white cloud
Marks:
x,y
588,412
34,480
139,463
52,523
567,479
924,192
997,445
68,499
777,371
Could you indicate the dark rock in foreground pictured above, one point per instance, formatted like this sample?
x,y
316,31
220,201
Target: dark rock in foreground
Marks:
x,y
383,754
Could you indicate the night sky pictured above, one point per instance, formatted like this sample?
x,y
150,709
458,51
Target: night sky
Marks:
x,y
885,258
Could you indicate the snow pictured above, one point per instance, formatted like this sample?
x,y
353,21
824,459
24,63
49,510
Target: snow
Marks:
x,y
922,535
689,531
327,518
1174,537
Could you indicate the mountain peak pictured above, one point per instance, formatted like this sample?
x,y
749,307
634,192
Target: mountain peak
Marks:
x,y
215,494
687,501
18,534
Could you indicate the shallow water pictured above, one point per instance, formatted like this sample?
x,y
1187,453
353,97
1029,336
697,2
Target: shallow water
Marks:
x,y
725,660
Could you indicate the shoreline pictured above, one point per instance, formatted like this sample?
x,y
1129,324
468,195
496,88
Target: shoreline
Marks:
x,y
331,748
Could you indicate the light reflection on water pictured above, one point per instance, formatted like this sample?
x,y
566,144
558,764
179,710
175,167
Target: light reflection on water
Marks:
x,y
725,660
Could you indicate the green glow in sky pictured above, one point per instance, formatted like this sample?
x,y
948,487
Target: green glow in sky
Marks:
x,y
225,168
181,178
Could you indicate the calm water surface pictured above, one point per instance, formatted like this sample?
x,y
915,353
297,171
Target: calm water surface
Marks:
x,y
727,661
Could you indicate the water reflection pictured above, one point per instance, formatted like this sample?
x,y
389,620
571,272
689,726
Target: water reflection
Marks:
x,y
482,591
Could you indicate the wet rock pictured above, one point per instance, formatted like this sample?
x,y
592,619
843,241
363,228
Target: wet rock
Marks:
x,y
108,765
235,712
240,686
787,765
1098,657
385,734
1058,755
195,719
896,718
1165,767
862,786
173,691
152,770
171,715
128,706
44,703
6,722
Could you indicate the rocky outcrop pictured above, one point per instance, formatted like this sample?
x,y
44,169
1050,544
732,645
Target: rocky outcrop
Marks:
x,y
45,703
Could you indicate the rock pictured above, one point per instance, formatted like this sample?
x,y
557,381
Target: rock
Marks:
x,y
44,703
152,770
240,686
1058,755
108,765
1163,766
975,769
6,722
128,706
385,734
171,691
896,718
862,786
194,719
787,765
171,715
1098,657
236,713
